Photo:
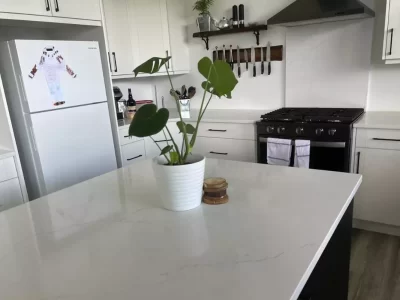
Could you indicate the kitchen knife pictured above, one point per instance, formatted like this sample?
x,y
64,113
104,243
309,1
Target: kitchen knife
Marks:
x,y
223,53
246,58
238,61
262,60
231,58
253,59
269,57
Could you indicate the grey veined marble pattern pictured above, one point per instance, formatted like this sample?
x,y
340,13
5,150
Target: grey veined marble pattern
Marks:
x,y
109,238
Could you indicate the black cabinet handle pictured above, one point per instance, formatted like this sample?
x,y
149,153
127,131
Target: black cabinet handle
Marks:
x,y
115,62
56,5
388,140
167,61
134,157
109,61
47,5
217,130
219,153
358,162
391,31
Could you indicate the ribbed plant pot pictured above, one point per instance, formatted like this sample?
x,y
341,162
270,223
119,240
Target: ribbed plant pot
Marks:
x,y
180,187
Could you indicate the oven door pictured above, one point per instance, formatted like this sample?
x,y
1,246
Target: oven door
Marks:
x,y
329,156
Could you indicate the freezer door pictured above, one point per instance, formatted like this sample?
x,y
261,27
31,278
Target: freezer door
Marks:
x,y
59,74
74,144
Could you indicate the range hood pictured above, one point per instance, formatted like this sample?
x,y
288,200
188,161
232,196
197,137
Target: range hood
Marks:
x,y
303,12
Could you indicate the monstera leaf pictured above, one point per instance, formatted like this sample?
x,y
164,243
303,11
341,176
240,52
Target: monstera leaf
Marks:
x,y
153,65
148,121
221,80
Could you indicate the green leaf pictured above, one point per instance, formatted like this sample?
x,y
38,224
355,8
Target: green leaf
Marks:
x,y
174,157
166,149
221,80
189,127
148,121
151,66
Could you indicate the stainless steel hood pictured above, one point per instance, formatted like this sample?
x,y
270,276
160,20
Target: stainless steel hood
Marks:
x,y
303,12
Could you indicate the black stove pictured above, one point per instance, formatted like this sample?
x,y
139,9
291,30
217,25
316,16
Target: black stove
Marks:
x,y
314,115
328,129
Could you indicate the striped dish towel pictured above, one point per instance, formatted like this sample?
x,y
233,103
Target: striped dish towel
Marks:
x,y
279,152
302,154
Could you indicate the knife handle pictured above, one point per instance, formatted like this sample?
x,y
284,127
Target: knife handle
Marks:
x,y
239,71
269,68
262,67
254,71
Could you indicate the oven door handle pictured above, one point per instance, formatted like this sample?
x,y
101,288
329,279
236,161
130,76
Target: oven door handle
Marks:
x,y
318,144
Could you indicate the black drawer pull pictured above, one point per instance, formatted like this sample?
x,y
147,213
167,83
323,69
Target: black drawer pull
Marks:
x,y
162,141
217,130
219,153
115,62
391,41
388,140
358,162
134,157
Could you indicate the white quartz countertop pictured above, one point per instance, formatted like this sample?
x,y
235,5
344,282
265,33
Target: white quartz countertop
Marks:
x,y
108,238
215,116
5,153
379,120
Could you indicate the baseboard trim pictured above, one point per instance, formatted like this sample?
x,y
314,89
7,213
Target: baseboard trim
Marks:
x,y
376,227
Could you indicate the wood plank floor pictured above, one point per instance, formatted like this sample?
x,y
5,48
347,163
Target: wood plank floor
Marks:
x,y
375,266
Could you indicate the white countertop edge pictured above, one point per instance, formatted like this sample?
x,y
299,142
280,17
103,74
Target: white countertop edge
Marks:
x,y
321,249
379,120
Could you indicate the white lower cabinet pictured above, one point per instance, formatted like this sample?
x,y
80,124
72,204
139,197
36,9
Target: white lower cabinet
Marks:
x,y
10,194
133,152
378,199
230,149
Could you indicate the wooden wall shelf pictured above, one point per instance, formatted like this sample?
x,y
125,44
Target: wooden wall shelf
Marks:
x,y
276,54
206,34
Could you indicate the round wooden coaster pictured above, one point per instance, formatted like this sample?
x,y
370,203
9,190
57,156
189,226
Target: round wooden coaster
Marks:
x,y
216,201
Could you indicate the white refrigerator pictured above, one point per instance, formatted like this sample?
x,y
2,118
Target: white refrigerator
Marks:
x,y
58,105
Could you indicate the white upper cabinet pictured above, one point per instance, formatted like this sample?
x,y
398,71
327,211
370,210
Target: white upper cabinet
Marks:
x,y
77,9
150,19
33,7
119,35
391,45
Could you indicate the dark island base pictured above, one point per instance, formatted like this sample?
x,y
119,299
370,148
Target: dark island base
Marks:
x,y
330,278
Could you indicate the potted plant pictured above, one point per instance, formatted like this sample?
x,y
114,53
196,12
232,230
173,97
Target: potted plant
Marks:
x,y
179,173
204,19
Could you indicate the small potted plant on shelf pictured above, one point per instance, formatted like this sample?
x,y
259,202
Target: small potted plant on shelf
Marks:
x,y
179,173
204,19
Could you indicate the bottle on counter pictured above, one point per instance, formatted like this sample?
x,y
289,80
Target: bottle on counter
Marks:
x,y
130,105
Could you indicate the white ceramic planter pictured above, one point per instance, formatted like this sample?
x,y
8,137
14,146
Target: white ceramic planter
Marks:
x,y
180,187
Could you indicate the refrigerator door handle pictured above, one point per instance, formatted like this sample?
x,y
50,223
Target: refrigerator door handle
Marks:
x,y
33,139
23,89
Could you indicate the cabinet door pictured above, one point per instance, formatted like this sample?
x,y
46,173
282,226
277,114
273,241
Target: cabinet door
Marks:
x,y
392,38
119,36
178,36
150,21
10,194
77,9
32,7
378,198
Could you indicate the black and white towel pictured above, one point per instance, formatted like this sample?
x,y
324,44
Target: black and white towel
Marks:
x,y
302,154
279,151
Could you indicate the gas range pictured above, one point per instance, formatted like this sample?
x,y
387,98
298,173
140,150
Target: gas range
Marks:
x,y
309,123
328,129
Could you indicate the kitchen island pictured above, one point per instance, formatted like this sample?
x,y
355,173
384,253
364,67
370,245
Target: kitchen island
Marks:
x,y
109,238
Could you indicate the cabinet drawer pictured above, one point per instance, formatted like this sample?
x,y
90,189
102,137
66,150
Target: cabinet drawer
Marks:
x,y
239,150
10,194
378,138
7,169
124,138
133,152
227,131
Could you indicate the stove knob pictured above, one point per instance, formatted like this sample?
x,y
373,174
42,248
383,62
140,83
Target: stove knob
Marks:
x,y
300,130
319,131
270,129
332,132
281,130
